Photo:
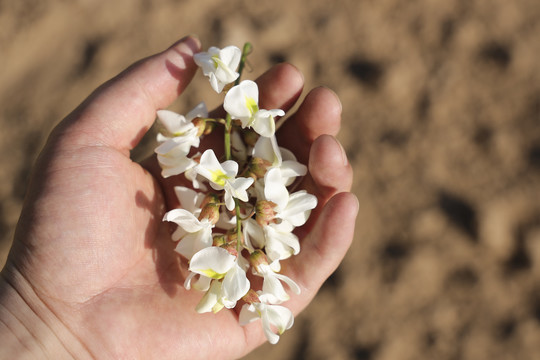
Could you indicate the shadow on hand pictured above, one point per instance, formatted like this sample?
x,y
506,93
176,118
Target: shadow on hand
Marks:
x,y
168,263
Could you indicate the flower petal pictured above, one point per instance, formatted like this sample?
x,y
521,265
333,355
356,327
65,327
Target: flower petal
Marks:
x,y
274,289
210,168
248,314
230,167
235,285
280,245
264,124
192,243
279,316
173,122
239,187
184,219
266,148
241,101
298,208
253,235
198,111
189,198
210,300
290,282
274,188
213,262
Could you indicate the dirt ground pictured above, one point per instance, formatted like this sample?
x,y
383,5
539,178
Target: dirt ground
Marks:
x,y
441,109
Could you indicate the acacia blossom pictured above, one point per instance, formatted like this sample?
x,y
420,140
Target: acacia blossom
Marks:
x,y
194,234
177,138
222,176
242,103
251,210
230,282
272,280
219,65
275,318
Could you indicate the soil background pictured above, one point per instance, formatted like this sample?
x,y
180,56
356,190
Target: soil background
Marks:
x,y
441,110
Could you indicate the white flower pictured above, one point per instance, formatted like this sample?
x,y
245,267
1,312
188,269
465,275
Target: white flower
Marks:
x,y
253,234
272,285
294,208
213,262
178,125
223,176
194,234
218,264
175,162
219,65
242,102
275,318
197,282
196,180
189,199
298,208
267,148
179,130
281,243
211,301
178,137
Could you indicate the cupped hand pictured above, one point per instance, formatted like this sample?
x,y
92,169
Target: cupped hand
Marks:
x,y
92,260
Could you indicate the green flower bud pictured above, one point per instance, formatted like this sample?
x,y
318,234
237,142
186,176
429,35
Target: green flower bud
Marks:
x,y
258,167
257,258
200,124
231,248
210,212
219,240
264,212
210,198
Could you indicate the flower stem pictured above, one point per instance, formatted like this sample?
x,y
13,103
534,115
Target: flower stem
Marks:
x,y
238,226
228,129
228,121
245,52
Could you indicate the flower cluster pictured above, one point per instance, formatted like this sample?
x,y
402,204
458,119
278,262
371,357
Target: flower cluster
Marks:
x,y
239,215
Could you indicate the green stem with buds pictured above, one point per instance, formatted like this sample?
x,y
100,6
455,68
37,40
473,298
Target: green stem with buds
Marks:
x,y
228,129
228,121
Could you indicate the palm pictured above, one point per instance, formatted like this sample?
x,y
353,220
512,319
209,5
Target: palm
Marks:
x,y
125,279
117,273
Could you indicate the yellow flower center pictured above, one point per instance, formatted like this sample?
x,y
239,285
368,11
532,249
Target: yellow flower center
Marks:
x,y
252,106
212,274
219,177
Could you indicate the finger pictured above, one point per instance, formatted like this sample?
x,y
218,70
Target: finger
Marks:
x,y
319,113
120,111
321,254
324,248
329,174
280,87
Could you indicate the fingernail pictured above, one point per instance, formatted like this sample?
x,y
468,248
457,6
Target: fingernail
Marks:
x,y
344,159
357,203
195,37
191,41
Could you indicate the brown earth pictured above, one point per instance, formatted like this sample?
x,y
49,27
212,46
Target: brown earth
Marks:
x,y
441,116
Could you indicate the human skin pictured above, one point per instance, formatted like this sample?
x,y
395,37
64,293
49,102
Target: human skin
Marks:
x,y
93,273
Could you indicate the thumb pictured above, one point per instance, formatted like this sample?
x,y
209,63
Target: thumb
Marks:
x,y
118,113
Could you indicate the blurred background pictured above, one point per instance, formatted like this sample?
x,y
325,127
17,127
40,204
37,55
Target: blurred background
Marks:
x,y
441,122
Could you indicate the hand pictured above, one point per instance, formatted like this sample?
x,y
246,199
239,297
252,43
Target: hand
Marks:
x,y
93,272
